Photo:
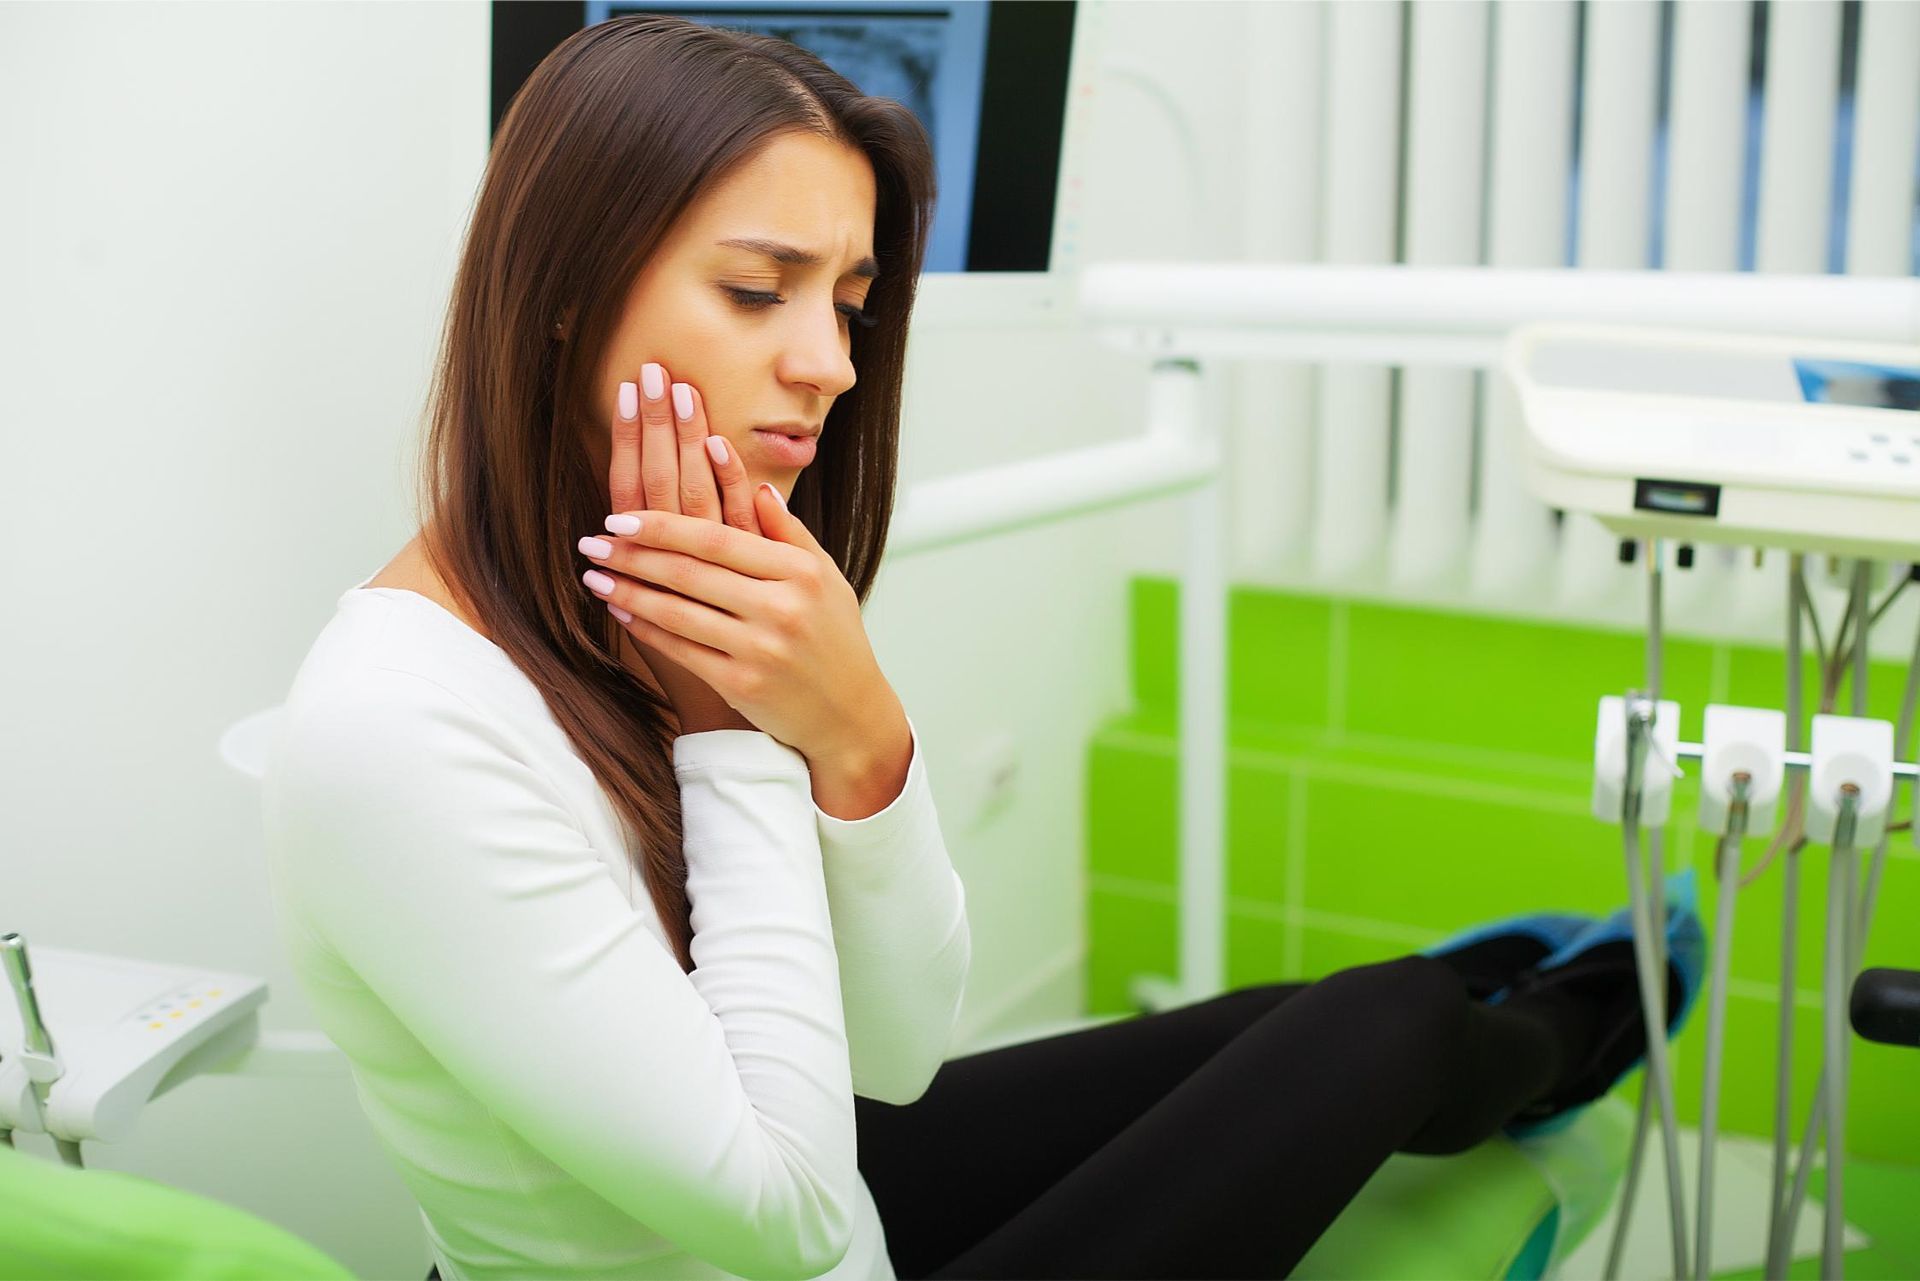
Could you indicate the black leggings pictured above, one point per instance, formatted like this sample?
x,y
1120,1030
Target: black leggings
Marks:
x,y
1215,1140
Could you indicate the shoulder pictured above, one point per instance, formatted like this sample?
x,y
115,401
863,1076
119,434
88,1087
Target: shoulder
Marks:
x,y
386,671
372,726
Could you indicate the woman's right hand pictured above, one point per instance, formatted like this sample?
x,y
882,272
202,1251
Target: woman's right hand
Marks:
x,y
661,462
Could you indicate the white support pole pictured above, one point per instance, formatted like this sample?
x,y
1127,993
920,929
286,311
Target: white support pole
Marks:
x,y
1202,656
1034,491
1182,305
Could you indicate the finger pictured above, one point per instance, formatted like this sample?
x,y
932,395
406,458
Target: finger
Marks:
x,y
659,452
723,545
736,491
780,525
708,664
623,473
699,623
698,497
677,572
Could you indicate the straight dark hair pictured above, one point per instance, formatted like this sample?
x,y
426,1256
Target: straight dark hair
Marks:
x,y
614,134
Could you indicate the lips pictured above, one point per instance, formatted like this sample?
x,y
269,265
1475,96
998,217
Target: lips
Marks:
x,y
784,450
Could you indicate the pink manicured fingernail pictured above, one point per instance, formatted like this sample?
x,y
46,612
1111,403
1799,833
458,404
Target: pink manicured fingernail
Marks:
x,y
717,449
622,523
776,494
655,380
629,402
597,581
619,613
598,548
682,401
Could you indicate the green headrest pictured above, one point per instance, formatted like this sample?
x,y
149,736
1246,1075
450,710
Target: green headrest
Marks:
x,y
57,1221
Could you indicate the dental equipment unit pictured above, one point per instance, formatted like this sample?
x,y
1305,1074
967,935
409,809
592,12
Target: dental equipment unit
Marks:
x,y
1682,436
1668,405
131,1030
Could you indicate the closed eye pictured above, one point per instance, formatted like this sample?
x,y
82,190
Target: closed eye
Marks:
x,y
756,300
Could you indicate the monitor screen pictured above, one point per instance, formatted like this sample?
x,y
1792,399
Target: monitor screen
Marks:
x,y
988,79
1848,382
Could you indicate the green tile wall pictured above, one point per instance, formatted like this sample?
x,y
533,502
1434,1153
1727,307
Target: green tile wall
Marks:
x,y
1397,773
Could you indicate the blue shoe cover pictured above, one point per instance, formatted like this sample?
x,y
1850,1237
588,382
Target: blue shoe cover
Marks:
x,y
1553,930
1686,959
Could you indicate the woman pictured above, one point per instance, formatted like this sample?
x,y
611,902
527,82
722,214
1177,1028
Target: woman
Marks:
x,y
618,880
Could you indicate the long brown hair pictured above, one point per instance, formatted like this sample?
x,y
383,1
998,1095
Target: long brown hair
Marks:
x,y
615,133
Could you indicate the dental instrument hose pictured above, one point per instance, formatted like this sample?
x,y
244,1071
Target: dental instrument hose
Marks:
x,y
1649,935
1840,907
34,1036
1727,867
1656,911
1795,1199
1777,1232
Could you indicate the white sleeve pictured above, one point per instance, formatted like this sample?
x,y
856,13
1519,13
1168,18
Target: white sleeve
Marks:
x,y
900,928
715,1107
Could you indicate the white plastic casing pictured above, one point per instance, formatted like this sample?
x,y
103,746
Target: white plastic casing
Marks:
x,y
1753,739
1610,762
124,1030
1848,749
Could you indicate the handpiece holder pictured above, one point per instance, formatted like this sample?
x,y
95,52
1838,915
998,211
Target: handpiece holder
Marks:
x,y
1742,740
1849,750
1610,743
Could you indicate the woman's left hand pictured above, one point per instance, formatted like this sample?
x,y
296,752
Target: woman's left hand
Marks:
x,y
769,622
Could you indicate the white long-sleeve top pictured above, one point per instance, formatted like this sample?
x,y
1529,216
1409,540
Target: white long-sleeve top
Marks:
x,y
559,1096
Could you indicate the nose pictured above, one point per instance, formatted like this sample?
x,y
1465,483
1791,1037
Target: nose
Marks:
x,y
817,355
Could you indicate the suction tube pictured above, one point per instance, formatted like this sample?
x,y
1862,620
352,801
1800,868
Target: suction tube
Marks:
x,y
1727,866
1778,1231
1794,1199
1649,944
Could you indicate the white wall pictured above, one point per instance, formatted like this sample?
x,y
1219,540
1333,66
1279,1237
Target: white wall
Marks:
x,y
226,235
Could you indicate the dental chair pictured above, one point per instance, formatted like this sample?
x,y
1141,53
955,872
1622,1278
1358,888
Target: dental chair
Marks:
x,y
1503,1210
90,1041
1509,1209
62,1221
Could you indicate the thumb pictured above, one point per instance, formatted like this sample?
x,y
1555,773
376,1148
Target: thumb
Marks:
x,y
779,523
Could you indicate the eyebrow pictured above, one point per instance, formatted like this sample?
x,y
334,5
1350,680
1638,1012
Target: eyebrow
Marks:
x,y
793,257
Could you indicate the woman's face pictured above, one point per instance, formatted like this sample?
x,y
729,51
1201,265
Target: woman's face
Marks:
x,y
755,361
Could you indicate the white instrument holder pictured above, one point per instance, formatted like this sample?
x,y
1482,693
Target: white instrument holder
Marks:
x,y
1849,749
1752,740
1610,762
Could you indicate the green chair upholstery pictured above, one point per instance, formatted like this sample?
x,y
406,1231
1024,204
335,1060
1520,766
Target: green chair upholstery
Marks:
x,y
57,1221
1503,1210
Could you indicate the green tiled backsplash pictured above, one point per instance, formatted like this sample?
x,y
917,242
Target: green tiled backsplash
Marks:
x,y
1396,773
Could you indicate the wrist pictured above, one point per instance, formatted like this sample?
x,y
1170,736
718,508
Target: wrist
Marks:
x,y
863,777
